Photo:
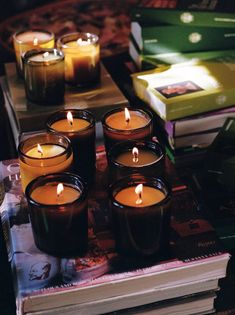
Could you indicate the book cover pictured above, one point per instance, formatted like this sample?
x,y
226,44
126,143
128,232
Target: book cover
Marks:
x,y
41,280
188,88
147,62
205,5
158,16
159,39
31,117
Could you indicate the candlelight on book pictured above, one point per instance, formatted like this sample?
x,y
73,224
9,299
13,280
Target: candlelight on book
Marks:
x,y
134,156
127,124
44,153
44,76
82,58
79,126
30,39
141,216
59,214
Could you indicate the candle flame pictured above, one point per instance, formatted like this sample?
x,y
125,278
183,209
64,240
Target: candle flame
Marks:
x,y
35,41
70,118
139,192
40,150
135,154
127,115
60,188
46,54
82,42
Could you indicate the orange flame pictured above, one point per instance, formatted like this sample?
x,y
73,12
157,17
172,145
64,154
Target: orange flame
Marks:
x,y
135,154
60,188
70,118
35,41
40,150
127,115
139,192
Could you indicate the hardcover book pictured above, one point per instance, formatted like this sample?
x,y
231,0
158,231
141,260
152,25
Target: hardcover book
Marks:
x,y
188,88
159,39
30,117
158,16
101,282
145,62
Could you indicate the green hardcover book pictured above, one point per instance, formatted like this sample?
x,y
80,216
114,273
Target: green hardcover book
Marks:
x,y
167,39
147,62
188,88
156,16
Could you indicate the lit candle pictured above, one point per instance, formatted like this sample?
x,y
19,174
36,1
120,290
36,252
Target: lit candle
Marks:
x,y
133,156
58,213
44,76
141,215
43,154
126,124
30,39
82,58
79,127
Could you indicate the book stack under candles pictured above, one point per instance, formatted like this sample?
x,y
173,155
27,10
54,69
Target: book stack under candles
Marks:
x,y
185,281
188,77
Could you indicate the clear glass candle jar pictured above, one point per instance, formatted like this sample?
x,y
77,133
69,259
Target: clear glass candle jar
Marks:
x,y
82,58
44,153
30,39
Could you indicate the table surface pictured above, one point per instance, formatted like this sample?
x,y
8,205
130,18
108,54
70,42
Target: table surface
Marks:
x,y
225,302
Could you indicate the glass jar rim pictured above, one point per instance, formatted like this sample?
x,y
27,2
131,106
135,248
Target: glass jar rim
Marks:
x,y
77,35
36,52
14,36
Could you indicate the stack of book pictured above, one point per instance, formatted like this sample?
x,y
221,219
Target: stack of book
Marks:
x,y
186,281
187,78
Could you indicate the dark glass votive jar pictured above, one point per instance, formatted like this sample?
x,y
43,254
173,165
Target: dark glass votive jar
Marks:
x,y
59,221
80,129
117,128
44,76
133,156
141,230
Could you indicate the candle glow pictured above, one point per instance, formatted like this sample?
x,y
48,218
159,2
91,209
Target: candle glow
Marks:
x,y
35,41
139,193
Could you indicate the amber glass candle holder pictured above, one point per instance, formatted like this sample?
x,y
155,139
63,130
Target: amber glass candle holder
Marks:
x,y
59,220
116,128
44,76
133,156
141,229
82,58
42,154
81,132
30,39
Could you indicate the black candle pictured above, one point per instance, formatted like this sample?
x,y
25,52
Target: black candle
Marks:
x,y
44,76
79,127
141,216
58,213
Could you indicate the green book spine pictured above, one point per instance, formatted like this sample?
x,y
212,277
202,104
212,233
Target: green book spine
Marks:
x,y
167,39
156,16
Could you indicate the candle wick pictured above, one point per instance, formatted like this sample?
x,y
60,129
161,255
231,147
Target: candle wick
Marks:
x,y
139,201
71,123
127,120
135,158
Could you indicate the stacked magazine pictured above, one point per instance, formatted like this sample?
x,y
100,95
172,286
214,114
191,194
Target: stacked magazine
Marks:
x,y
185,281
186,59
